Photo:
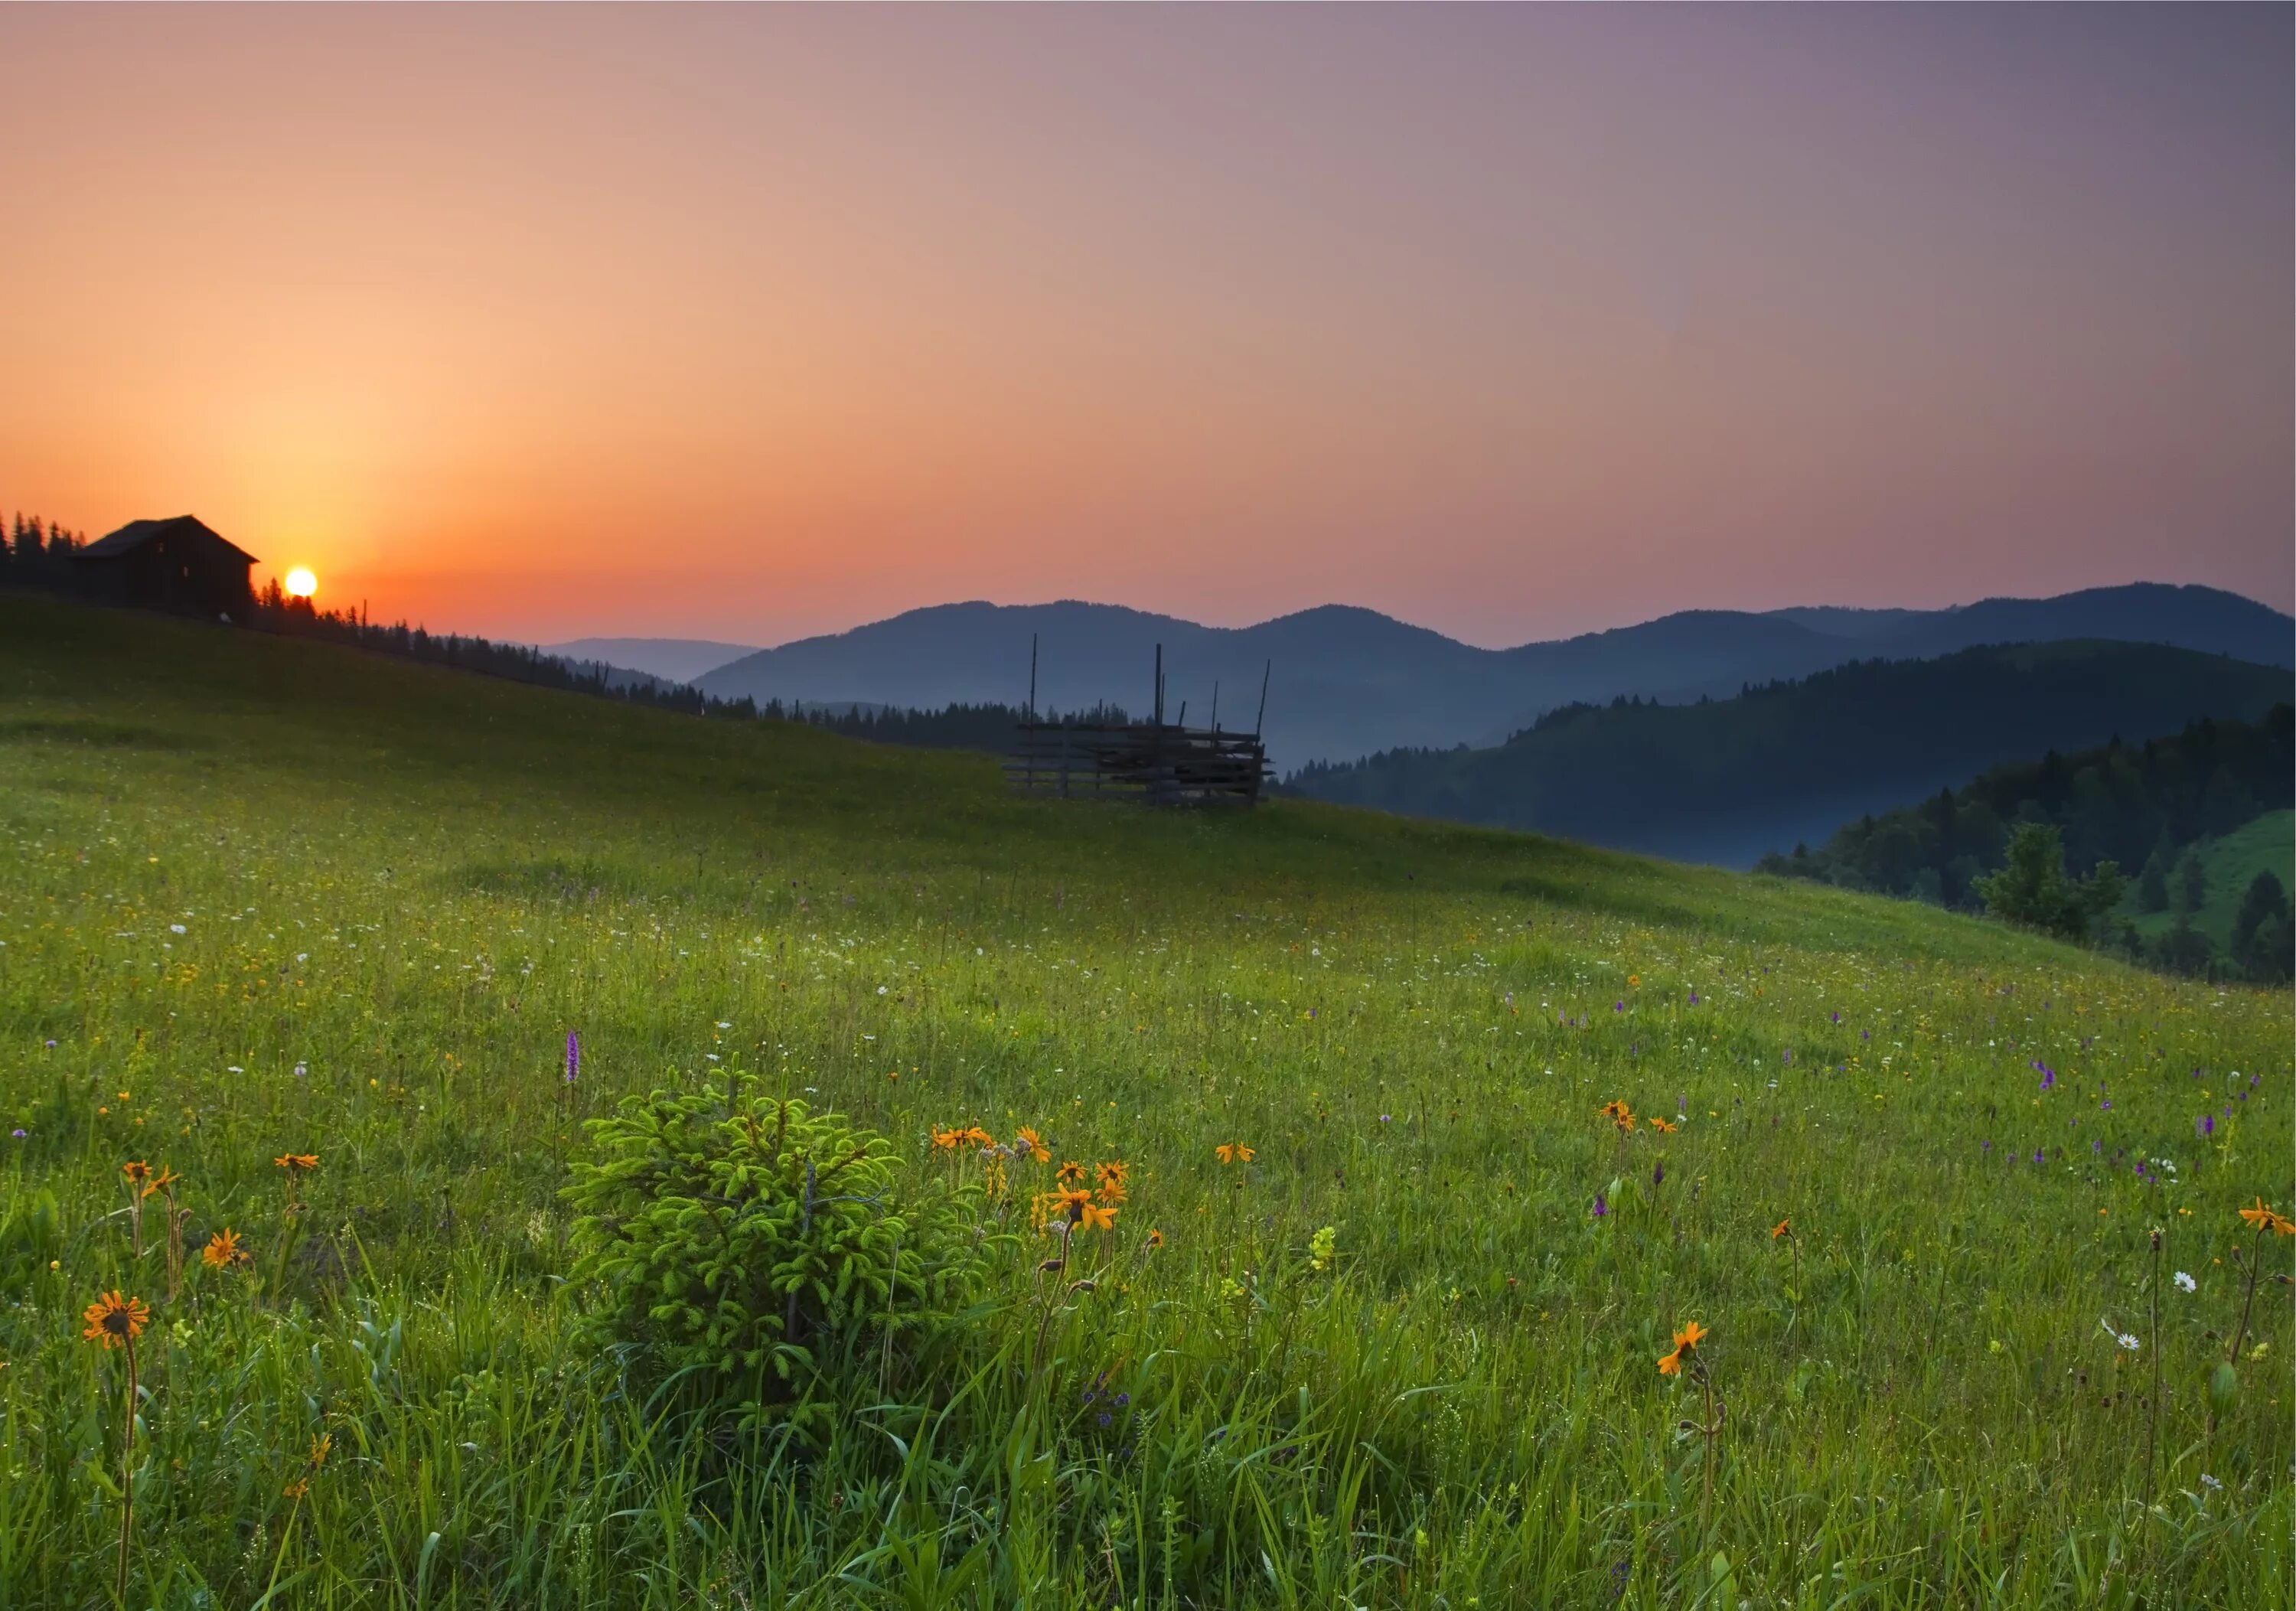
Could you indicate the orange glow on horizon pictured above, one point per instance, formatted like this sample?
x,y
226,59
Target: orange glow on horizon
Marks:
x,y
747,324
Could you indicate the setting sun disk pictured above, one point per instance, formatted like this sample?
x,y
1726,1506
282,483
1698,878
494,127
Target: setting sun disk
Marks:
x,y
301,583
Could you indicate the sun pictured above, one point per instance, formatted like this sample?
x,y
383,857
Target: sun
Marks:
x,y
301,583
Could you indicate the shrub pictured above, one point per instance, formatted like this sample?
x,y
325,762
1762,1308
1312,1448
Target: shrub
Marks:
x,y
766,1250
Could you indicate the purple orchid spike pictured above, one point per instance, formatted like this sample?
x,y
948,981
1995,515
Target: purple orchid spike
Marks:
x,y
573,1056
1600,1207
2207,1124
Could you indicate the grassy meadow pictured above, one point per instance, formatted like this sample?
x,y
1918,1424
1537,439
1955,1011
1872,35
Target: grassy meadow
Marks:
x,y
262,897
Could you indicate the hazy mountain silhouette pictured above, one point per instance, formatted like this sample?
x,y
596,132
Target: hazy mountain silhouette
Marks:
x,y
1726,780
1349,682
671,659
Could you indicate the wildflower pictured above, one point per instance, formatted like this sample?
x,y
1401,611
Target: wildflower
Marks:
x,y
296,1164
223,1250
1094,1216
1685,1343
1634,981
1658,1175
1618,1113
138,1173
1071,1174
946,1140
573,1056
1110,1176
1155,1240
113,1320
1322,1248
166,1179
2186,1282
1781,1227
2264,1219
2209,1481
2206,1125
1665,1127
1028,1144
2048,1078
1600,1207
1234,1152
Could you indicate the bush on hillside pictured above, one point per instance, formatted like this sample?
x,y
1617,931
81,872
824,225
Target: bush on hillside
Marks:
x,y
2033,889
766,1251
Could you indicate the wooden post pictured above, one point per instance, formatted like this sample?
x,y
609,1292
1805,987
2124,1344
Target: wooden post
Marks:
x,y
1266,672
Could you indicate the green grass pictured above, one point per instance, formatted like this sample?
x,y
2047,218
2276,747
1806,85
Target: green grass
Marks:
x,y
2265,845
398,889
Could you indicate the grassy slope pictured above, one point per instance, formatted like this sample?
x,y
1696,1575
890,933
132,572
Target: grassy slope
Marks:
x,y
409,884
2265,845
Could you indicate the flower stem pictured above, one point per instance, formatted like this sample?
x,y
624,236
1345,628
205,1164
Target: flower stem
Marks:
x,y
126,1477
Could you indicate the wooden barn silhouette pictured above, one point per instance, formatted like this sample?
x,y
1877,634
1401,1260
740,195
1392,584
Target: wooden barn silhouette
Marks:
x,y
180,564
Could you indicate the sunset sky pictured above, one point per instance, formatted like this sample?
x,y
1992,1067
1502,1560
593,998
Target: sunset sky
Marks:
x,y
747,324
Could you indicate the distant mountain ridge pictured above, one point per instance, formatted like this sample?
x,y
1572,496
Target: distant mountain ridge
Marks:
x,y
1349,682
1725,781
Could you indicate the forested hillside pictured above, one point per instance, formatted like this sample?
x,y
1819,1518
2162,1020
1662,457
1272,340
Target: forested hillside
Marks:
x,y
1726,780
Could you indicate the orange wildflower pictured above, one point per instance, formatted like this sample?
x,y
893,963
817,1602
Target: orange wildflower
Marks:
x,y
1026,1141
1782,1227
113,1320
1234,1152
1071,1174
1095,1217
296,1163
2268,1218
223,1250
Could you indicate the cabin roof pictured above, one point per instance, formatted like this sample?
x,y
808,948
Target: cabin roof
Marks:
x,y
135,534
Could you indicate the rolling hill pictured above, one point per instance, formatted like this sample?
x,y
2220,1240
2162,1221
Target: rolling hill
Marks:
x,y
1727,780
1349,682
367,959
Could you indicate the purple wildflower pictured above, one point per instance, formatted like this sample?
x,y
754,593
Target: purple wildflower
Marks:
x,y
1618,1006
573,1056
2207,1124
2037,1154
1658,1175
1600,1207
1837,1017
1789,1054
2048,1078
20,1132
1693,998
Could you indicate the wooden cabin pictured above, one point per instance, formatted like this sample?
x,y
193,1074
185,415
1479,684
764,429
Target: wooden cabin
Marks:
x,y
180,564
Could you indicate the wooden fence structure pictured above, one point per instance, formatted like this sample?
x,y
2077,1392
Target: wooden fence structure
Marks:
x,y
1159,762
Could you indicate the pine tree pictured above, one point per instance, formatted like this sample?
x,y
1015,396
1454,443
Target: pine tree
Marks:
x,y
2191,881
2152,883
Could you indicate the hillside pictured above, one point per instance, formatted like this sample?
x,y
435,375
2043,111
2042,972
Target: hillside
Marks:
x,y
1351,682
1726,780
1372,1313
2229,863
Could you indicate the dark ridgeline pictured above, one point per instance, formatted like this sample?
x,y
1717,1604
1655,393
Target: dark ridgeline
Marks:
x,y
1159,762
